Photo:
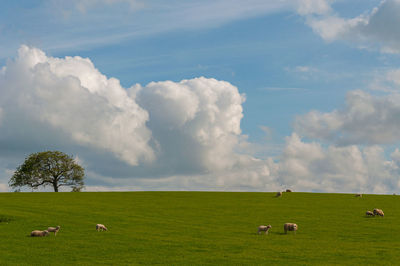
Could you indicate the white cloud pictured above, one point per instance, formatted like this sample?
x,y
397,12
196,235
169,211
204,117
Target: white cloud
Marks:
x,y
332,27
311,167
194,121
366,119
175,135
162,129
379,28
70,95
185,135
302,166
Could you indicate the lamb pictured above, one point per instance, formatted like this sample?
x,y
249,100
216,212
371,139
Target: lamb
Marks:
x,y
359,195
54,229
264,228
379,212
101,227
279,194
290,227
370,213
39,233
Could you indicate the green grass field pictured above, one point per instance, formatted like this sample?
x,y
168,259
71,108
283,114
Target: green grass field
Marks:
x,y
212,228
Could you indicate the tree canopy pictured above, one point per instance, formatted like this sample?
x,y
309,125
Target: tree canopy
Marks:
x,y
49,168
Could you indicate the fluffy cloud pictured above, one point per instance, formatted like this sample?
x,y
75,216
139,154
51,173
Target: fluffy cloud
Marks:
x,y
310,167
302,166
377,28
184,135
161,129
194,122
69,98
366,119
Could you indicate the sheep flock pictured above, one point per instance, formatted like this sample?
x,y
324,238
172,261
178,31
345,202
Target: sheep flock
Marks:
x,y
293,227
40,233
262,228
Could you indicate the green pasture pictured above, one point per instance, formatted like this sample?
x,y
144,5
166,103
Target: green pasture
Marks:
x,y
198,228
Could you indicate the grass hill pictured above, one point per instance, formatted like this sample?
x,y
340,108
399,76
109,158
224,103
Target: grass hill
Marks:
x,y
213,228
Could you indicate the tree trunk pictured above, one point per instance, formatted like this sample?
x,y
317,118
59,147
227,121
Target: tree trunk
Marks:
x,y
55,187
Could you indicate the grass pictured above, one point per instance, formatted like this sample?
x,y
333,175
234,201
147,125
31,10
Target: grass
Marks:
x,y
215,228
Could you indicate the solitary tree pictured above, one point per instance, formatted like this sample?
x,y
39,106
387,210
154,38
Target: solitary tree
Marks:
x,y
49,168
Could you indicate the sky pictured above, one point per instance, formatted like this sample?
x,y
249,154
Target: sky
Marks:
x,y
257,95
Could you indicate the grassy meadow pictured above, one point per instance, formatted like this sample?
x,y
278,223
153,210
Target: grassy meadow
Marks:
x,y
214,228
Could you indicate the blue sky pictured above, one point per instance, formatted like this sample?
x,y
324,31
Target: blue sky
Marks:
x,y
312,73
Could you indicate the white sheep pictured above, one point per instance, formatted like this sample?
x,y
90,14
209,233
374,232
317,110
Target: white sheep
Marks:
x,y
359,195
379,212
370,213
54,229
279,194
264,228
101,227
39,233
290,227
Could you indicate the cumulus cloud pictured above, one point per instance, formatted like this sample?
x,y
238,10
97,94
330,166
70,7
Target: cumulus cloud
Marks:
x,y
161,129
194,121
69,97
366,119
302,166
375,29
191,122
184,135
310,167
350,155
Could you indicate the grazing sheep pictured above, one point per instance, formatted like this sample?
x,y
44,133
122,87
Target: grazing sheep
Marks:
x,y
101,227
379,212
54,229
288,190
370,213
359,195
290,227
39,233
264,228
279,194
